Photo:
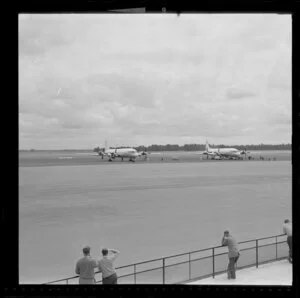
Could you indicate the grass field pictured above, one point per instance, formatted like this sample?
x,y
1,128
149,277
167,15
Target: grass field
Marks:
x,y
146,210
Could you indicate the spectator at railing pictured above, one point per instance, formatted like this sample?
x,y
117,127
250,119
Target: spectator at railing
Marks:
x,y
287,230
106,266
233,253
85,267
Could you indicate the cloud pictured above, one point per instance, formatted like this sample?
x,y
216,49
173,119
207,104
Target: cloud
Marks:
x,y
154,79
37,34
235,93
125,89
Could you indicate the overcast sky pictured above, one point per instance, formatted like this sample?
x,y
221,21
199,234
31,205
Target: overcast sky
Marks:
x,y
153,79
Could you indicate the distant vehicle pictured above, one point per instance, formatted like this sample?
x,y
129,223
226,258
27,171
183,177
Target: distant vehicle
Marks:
x,y
113,153
221,153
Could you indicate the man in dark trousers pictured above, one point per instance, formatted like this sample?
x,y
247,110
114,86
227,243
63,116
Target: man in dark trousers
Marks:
x,y
85,267
106,266
233,253
287,230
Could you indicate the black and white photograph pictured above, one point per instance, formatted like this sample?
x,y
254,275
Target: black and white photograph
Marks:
x,y
155,149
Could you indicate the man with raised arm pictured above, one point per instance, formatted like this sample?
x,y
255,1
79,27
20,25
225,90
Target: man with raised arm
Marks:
x,y
233,253
85,267
106,266
287,230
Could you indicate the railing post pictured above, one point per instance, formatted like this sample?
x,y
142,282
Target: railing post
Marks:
x,y
213,260
276,246
67,281
189,265
256,253
134,270
163,271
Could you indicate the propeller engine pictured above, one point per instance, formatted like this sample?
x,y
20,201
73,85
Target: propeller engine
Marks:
x,y
245,152
144,153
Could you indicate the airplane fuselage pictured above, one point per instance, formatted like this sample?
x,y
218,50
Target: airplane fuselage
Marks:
x,y
122,153
231,153
225,151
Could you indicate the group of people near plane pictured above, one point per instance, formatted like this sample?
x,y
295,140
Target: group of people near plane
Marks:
x,y
86,265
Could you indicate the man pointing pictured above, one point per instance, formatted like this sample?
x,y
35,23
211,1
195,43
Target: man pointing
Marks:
x,y
106,266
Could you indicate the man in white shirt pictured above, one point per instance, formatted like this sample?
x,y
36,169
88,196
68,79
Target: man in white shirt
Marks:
x,y
85,267
106,266
287,230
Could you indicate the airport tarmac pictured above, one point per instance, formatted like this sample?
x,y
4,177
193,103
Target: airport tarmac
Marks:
x,y
145,210
65,158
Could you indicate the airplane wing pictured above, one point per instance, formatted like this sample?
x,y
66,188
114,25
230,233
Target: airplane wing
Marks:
x,y
206,153
109,154
200,153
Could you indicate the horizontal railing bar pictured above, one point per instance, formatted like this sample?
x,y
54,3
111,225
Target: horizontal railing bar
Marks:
x,y
178,255
248,248
201,258
204,249
130,274
154,260
242,242
270,237
180,263
267,244
223,253
152,269
261,238
64,279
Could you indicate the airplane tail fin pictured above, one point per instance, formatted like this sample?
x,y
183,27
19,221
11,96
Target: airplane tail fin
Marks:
x,y
207,148
105,146
103,151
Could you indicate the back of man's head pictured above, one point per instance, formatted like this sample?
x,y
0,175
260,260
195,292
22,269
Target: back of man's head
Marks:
x,y
86,250
105,251
287,221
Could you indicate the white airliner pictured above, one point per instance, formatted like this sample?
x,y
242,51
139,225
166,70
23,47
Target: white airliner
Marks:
x,y
122,153
219,153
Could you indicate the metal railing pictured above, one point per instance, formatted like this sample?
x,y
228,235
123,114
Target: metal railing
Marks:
x,y
197,264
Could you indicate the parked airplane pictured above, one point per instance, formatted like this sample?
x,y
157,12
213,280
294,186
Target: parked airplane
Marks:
x,y
219,153
122,153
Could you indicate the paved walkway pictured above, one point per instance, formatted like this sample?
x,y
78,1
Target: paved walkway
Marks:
x,y
275,273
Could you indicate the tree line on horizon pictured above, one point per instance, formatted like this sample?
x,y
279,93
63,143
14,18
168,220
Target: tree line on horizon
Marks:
x,y
201,147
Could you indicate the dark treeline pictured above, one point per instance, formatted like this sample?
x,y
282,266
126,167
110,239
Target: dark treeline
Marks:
x,y
201,147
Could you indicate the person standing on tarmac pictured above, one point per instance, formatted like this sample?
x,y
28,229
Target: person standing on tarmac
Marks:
x,y
85,267
233,253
